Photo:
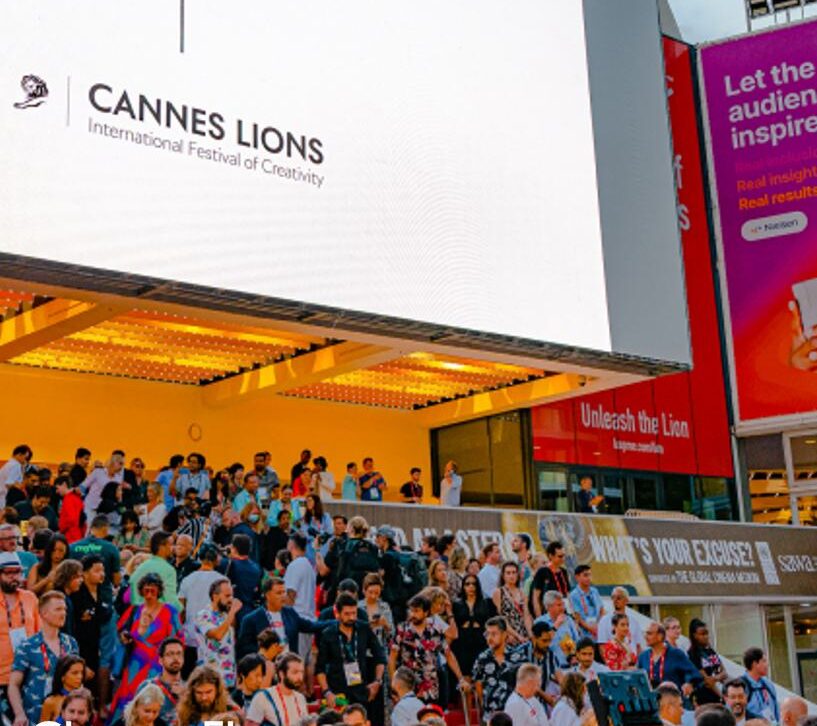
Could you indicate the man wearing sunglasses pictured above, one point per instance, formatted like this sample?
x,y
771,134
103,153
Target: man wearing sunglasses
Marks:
x,y
19,618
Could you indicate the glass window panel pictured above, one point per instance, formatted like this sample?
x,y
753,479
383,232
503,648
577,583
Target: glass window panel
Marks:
x,y
613,494
467,444
677,493
507,466
779,665
736,627
645,493
552,486
805,639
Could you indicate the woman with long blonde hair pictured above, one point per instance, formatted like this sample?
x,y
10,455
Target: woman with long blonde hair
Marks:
x,y
144,709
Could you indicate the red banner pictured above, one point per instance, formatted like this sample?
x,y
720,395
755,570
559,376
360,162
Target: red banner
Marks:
x,y
677,423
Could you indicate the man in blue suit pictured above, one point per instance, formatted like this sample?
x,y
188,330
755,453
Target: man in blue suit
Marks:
x,y
276,616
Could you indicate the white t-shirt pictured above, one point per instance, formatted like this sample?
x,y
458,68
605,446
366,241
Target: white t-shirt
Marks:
x,y
300,577
326,488
152,520
286,711
94,484
450,491
488,579
195,591
10,473
606,630
526,711
564,714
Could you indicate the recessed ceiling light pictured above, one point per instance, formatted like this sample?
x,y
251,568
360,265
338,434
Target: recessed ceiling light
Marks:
x,y
811,441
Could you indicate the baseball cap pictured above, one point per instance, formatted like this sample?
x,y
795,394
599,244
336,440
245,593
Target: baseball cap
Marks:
x,y
387,532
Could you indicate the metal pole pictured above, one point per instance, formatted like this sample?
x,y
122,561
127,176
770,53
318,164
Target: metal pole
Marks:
x,y
795,513
791,647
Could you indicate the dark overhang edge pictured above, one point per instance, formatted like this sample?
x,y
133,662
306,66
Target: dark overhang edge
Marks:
x,y
140,287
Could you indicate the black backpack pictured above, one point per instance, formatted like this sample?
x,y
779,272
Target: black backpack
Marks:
x,y
413,576
358,558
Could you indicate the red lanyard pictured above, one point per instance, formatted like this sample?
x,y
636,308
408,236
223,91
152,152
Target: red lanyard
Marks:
x,y
584,603
164,689
560,580
284,705
661,662
22,612
46,659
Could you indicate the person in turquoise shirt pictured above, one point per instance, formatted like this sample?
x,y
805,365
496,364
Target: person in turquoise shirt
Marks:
x,y
350,487
160,548
285,502
248,494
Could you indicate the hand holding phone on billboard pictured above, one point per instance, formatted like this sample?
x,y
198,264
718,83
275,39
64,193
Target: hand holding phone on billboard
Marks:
x,y
804,345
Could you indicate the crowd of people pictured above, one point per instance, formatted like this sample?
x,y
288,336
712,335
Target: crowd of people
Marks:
x,y
198,596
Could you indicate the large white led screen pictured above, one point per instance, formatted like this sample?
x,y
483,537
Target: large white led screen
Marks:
x,y
427,160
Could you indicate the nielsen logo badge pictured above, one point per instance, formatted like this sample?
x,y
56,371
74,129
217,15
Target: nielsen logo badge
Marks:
x,y
776,226
36,92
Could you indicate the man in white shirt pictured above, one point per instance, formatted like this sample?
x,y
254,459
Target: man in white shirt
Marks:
x,y
524,708
451,486
12,471
489,574
620,598
283,704
194,595
95,482
300,582
408,705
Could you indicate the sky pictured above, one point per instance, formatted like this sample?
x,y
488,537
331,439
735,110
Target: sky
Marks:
x,y
702,20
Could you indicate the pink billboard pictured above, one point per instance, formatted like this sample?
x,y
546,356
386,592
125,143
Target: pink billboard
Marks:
x,y
761,99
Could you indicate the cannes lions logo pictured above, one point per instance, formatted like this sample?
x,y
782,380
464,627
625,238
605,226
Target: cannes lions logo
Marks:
x,y
35,89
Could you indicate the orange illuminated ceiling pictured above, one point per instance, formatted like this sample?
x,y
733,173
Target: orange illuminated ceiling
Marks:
x,y
12,303
161,347
227,359
417,380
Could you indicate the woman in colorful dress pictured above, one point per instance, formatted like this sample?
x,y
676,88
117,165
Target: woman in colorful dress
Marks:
x,y
511,603
618,653
142,628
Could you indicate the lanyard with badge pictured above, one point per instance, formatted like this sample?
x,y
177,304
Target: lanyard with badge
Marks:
x,y
351,668
16,635
46,660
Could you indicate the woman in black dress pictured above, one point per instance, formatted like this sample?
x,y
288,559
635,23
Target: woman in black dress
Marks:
x,y
471,612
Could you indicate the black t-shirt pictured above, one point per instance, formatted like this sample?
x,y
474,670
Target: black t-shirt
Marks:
x,y
26,512
77,474
411,489
90,614
14,496
545,579
708,661
275,540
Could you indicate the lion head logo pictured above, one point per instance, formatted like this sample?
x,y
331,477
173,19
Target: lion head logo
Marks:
x,y
35,89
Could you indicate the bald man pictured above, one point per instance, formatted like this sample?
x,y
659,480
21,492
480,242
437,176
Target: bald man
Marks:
x,y
792,710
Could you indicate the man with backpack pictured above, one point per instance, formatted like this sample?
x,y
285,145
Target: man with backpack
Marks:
x,y
404,573
760,691
359,556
